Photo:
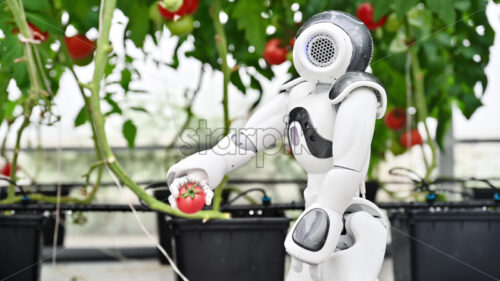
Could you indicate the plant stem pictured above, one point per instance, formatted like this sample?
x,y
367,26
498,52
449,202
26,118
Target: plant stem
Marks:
x,y
221,44
418,77
92,126
218,194
106,14
35,89
13,171
4,142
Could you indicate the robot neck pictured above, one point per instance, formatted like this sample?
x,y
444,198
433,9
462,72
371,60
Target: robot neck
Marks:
x,y
323,87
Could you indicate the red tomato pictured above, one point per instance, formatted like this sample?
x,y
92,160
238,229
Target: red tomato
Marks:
x,y
396,119
35,31
188,7
365,14
80,49
292,42
191,198
7,170
273,54
411,138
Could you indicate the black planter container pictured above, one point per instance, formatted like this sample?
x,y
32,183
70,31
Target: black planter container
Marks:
x,y
451,245
50,222
372,188
483,193
21,247
243,249
49,228
164,226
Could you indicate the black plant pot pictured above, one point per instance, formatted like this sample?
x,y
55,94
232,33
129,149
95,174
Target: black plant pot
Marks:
x,y
243,249
50,222
164,226
372,188
234,242
452,245
21,247
483,193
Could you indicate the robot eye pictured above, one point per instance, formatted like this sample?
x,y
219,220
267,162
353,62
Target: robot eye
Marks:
x,y
321,50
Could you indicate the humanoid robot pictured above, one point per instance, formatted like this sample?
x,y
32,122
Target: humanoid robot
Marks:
x,y
330,113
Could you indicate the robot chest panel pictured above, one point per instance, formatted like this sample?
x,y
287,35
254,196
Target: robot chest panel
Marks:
x,y
311,123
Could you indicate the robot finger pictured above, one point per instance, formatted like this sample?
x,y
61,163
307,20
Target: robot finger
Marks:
x,y
176,184
297,265
209,194
172,201
314,272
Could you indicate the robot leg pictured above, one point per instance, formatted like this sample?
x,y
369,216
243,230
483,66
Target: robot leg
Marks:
x,y
362,260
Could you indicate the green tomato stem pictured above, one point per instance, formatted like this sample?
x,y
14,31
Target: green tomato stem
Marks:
x,y
221,44
418,77
35,87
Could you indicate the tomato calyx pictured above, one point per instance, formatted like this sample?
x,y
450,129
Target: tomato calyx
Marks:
x,y
190,192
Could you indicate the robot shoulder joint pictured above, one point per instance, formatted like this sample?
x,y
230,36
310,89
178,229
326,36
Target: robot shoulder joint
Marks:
x,y
350,81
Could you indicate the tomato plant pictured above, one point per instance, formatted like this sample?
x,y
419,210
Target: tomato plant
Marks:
x,y
191,198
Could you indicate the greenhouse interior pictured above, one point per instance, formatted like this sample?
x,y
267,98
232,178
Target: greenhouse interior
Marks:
x,y
249,140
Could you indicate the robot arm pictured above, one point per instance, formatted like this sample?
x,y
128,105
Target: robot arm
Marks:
x,y
208,167
315,235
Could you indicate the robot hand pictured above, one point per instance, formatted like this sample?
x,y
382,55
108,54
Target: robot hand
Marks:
x,y
314,238
204,168
190,178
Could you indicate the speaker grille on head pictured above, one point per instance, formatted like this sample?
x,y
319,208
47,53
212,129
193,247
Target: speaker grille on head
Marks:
x,y
321,50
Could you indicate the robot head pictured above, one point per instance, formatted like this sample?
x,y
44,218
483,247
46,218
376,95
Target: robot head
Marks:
x,y
329,44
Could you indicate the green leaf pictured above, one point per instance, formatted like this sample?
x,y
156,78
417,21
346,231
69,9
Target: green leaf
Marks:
x,y
81,117
139,109
381,8
36,5
236,81
462,5
138,24
126,78
403,6
129,131
255,84
175,58
443,9
249,19
83,14
109,69
115,108
444,122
